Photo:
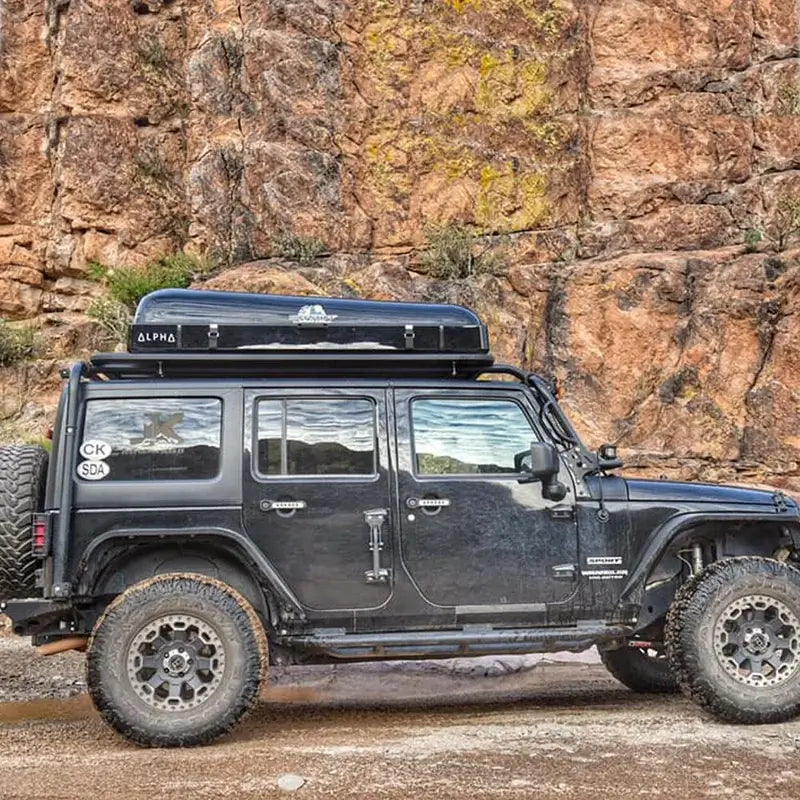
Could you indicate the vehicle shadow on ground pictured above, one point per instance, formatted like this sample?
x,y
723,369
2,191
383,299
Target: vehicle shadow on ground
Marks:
x,y
410,696
306,707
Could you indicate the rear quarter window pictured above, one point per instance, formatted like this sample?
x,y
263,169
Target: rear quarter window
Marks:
x,y
158,439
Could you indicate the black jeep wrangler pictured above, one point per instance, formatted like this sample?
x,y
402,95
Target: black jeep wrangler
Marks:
x,y
278,479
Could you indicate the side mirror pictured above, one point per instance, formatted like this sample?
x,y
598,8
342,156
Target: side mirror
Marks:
x,y
544,461
545,466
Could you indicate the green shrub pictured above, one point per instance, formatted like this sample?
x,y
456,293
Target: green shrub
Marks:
x,y
152,54
752,238
785,222
302,249
17,343
113,317
789,99
128,285
455,252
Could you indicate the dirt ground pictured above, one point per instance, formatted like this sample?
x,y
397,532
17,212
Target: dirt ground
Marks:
x,y
437,730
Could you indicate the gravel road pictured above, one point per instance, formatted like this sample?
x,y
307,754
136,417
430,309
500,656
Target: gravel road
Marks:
x,y
430,730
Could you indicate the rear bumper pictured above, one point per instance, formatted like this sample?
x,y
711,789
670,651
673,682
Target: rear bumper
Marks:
x,y
34,616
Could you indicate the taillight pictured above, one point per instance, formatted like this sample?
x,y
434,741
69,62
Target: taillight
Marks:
x,y
40,535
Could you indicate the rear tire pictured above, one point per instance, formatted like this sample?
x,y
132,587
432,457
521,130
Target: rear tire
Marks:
x,y
640,670
23,474
176,660
733,640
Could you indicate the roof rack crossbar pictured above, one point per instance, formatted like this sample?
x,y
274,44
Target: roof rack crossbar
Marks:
x,y
294,365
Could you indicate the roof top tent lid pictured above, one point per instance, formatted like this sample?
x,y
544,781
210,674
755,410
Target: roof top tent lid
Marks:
x,y
186,321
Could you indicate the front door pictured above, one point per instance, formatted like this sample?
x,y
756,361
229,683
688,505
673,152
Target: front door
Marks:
x,y
472,536
316,462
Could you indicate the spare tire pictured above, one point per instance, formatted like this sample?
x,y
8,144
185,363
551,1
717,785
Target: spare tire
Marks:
x,y
23,473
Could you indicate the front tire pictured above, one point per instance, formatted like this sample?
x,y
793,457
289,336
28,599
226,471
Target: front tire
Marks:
x,y
176,660
733,640
640,669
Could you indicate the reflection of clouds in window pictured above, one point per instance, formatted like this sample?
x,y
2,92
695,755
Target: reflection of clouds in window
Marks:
x,y
323,436
270,419
123,423
471,432
349,423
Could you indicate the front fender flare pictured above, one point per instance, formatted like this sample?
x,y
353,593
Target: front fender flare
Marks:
x,y
679,526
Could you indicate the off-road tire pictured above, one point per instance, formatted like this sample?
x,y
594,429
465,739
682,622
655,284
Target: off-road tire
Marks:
x,y
215,603
690,635
639,671
23,472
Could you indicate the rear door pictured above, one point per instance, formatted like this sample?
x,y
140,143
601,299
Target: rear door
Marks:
x,y
316,462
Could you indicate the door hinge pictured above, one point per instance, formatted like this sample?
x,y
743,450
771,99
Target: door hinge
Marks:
x,y
375,518
561,512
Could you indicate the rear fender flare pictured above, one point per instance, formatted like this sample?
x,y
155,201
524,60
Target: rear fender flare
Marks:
x,y
240,548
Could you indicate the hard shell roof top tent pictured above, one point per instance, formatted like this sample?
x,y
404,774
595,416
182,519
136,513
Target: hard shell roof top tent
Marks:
x,y
183,332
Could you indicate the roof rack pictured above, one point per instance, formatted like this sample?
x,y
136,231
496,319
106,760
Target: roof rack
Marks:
x,y
288,365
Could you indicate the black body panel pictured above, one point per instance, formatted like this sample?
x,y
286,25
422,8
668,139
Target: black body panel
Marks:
x,y
321,549
689,493
491,551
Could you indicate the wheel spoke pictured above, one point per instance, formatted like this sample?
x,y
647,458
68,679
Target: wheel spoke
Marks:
x,y
155,680
175,690
756,666
741,659
736,636
158,643
203,663
756,615
149,661
774,660
195,681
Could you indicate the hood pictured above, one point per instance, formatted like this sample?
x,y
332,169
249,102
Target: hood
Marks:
x,y
680,492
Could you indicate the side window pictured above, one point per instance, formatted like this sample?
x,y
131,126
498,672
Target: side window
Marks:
x,y
153,439
467,437
316,436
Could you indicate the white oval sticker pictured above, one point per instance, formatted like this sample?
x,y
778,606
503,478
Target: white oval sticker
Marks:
x,y
93,470
95,450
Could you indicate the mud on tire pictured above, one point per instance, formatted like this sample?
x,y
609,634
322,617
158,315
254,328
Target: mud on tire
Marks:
x,y
733,640
23,469
639,670
176,660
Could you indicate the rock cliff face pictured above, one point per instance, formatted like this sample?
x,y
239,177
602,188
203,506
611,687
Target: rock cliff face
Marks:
x,y
626,150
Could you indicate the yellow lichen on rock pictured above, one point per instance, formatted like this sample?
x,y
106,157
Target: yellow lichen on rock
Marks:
x,y
510,87
449,90
546,16
459,6
511,200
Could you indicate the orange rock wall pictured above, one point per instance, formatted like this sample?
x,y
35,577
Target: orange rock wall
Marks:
x,y
625,147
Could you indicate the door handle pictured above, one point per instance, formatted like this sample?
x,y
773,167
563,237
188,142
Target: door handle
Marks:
x,y
286,507
427,502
